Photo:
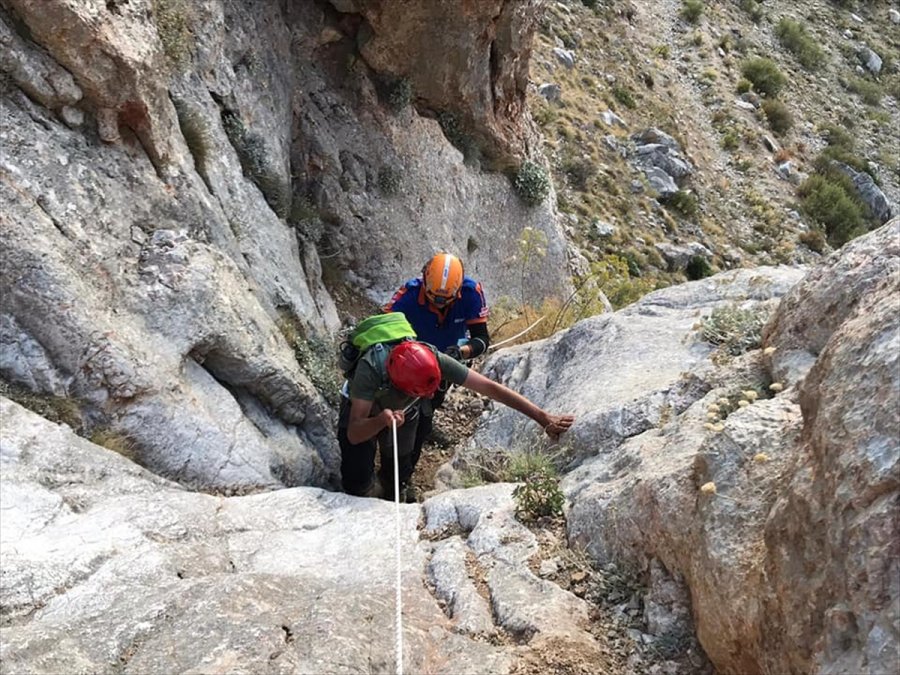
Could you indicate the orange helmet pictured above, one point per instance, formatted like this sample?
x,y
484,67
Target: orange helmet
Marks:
x,y
443,277
413,369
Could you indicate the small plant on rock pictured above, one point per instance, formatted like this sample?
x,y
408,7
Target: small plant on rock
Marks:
x,y
734,328
698,267
539,496
399,94
532,183
173,25
115,441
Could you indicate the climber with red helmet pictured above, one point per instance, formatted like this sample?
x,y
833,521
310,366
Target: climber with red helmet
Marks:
x,y
386,387
446,309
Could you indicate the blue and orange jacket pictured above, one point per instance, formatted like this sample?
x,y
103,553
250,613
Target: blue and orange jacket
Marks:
x,y
441,328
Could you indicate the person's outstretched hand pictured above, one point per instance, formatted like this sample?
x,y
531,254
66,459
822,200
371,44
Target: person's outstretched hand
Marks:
x,y
557,424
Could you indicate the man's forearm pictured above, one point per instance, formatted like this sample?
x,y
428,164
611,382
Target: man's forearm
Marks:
x,y
506,396
360,431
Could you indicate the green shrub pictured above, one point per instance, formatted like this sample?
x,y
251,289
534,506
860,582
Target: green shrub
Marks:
x,y
691,10
254,157
753,8
663,51
698,267
731,140
532,183
764,74
734,328
399,94
832,203
837,137
870,92
743,85
539,496
813,239
685,203
521,465
624,96
779,117
795,39
590,4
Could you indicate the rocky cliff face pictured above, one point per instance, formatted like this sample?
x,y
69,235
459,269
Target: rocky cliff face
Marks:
x,y
176,175
778,522
769,533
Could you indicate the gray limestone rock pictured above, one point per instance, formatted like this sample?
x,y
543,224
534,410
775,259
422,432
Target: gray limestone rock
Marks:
x,y
647,358
870,60
550,91
783,508
678,257
661,183
871,195
107,567
610,119
565,56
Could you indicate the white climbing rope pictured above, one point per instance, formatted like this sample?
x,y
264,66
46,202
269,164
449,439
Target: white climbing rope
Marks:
x,y
399,620
517,335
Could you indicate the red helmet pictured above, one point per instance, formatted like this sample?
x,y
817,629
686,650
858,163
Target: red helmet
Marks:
x,y
443,276
413,369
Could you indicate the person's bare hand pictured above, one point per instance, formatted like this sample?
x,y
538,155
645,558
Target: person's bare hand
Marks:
x,y
389,416
558,424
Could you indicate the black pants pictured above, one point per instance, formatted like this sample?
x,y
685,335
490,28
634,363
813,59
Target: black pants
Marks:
x,y
358,459
426,423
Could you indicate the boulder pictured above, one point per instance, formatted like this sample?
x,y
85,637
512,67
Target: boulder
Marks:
x,y
648,360
107,567
550,91
661,183
678,256
565,56
827,296
610,119
774,523
871,195
870,60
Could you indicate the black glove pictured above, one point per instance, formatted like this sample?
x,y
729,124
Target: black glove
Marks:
x,y
454,352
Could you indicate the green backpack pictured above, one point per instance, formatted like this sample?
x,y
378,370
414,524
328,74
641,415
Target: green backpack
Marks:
x,y
379,329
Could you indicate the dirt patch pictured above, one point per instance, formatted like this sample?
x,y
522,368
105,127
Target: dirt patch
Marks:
x,y
557,655
454,423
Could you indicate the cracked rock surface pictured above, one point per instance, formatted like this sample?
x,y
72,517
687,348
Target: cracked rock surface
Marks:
x,y
107,568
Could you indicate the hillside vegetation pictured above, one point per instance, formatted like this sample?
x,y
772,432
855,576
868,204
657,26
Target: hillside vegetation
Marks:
x,y
782,117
